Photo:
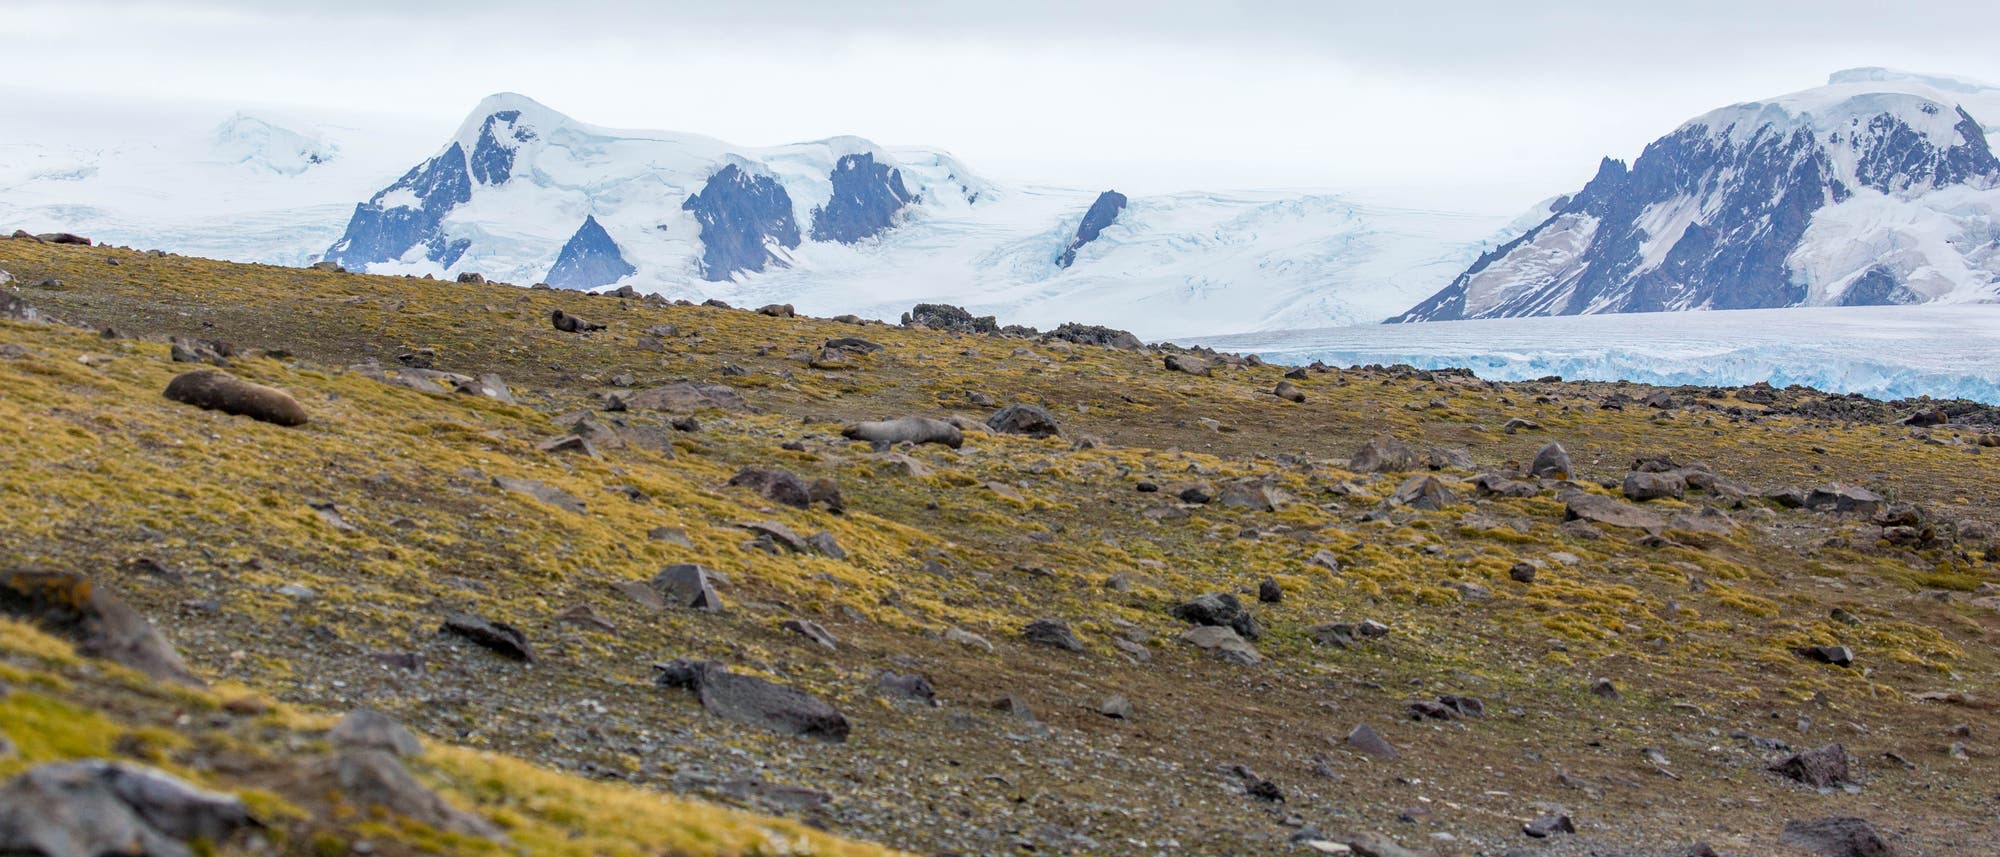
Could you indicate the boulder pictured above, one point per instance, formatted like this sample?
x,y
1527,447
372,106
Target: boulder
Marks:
x,y
1382,454
368,729
96,808
1837,837
1365,739
755,701
215,390
1189,365
1844,498
1224,642
1450,458
1251,494
1825,767
778,486
1024,419
1610,512
1052,632
1422,492
1642,486
687,585
375,780
1551,462
1220,609
93,617
1495,485
917,430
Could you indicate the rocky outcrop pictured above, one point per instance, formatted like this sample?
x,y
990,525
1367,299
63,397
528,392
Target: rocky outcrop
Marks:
x,y
590,259
742,217
867,196
1102,213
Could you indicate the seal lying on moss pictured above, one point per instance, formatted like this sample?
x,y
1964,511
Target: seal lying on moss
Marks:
x,y
220,391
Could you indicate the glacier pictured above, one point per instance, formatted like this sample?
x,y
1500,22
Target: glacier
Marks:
x,y
1888,352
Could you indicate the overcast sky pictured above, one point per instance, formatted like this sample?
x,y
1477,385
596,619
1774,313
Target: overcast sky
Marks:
x,y
1472,104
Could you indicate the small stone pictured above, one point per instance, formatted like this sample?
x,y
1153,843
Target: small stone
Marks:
x,y
1116,707
1365,739
812,631
687,585
1840,656
1522,573
1824,767
1269,592
1604,689
1547,826
1052,632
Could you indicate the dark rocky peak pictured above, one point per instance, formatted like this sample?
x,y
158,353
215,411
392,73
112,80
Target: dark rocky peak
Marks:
x,y
1102,213
867,195
380,232
590,259
741,216
492,158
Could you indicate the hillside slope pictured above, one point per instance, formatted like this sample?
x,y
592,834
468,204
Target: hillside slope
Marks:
x,y
316,565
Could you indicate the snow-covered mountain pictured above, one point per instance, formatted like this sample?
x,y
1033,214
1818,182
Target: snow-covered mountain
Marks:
x,y
1878,188
524,194
256,186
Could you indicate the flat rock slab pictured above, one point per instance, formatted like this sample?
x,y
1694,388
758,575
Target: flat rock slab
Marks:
x,y
1224,642
503,639
1599,509
541,491
755,701
688,397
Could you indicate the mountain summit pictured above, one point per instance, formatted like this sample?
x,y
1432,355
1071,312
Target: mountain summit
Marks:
x,y
1878,188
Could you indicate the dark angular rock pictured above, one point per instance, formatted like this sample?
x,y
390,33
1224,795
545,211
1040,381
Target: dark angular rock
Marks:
x,y
1365,739
1824,767
1837,837
755,701
1840,656
1495,485
1269,592
916,688
687,585
1029,420
1547,826
1186,364
1643,486
1052,632
778,486
1219,608
1095,335
503,639
1551,462
1422,492
950,318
